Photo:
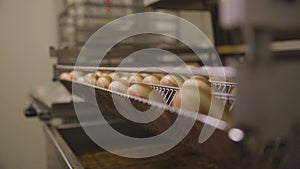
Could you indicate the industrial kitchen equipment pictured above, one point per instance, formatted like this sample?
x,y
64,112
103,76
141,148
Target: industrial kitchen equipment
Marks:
x,y
247,142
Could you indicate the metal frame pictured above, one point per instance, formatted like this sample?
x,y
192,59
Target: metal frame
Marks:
x,y
269,117
66,154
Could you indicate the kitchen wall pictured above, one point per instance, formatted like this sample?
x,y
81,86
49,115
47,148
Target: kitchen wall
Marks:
x,y
27,28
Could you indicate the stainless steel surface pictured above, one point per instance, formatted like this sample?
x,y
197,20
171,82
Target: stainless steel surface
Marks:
x,y
59,155
70,147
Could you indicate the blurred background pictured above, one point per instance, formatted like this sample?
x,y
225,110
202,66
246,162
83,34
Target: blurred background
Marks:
x,y
27,30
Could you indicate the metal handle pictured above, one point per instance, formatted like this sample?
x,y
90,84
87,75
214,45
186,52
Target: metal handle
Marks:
x,y
30,112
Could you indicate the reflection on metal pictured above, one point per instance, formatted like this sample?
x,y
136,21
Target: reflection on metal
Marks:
x,y
236,135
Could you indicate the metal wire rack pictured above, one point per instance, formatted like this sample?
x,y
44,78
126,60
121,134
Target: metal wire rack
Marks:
x,y
225,92
223,87
166,92
219,140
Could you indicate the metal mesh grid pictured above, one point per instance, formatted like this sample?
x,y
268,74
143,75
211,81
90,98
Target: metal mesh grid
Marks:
x,y
167,93
224,93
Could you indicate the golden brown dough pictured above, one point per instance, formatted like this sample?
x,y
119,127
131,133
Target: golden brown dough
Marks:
x,y
103,82
76,74
197,99
144,74
90,78
204,78
151,79
119,86
136,78
107,77
65,76
98,74
139,90
114,75
172,80
200,83
158,75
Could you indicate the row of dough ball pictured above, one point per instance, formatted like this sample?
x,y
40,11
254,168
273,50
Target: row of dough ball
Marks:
x,y
131,84
194,94
92,78
114,82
